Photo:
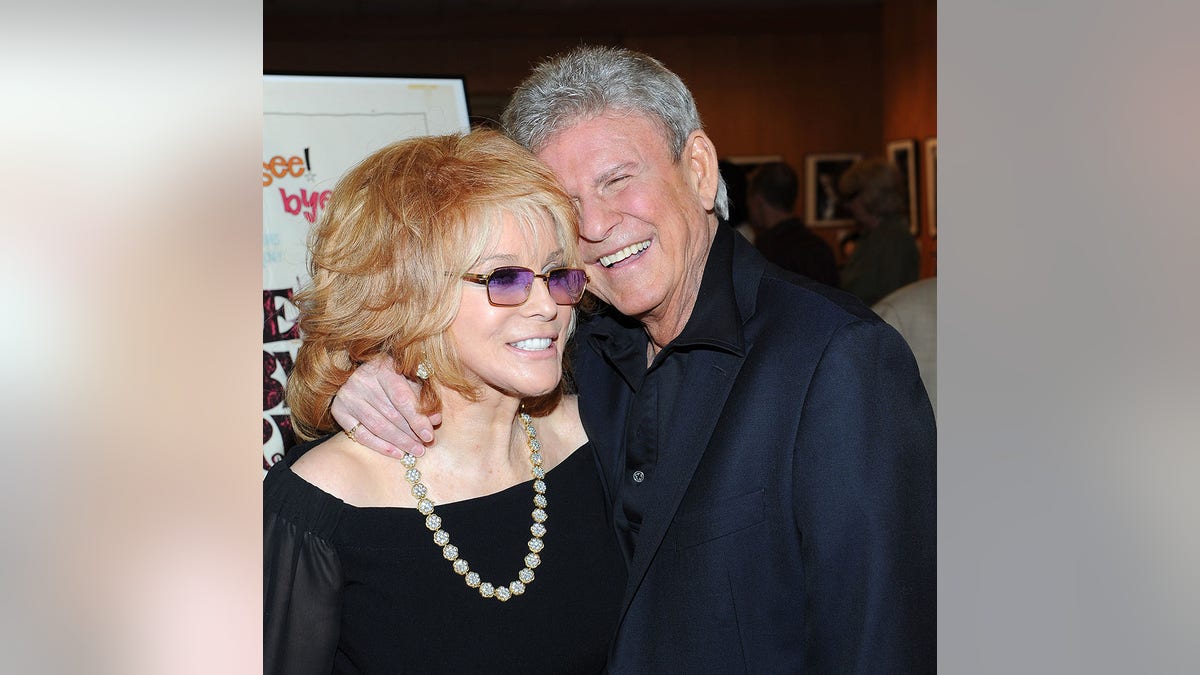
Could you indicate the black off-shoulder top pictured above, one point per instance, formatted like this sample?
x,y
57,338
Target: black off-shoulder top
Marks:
x,y
365,590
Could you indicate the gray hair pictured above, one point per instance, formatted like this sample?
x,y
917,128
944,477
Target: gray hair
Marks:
x,y
877,182
588,81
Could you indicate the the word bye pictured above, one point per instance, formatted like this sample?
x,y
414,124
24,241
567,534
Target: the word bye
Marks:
x,y
308,203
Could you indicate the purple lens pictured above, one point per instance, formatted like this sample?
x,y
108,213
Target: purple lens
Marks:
x,y
509,285
566,285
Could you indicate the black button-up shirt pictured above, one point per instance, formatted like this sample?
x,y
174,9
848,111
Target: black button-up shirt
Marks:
x,y
714,323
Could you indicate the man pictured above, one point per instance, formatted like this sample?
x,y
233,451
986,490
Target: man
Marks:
x,y
765,441
781,237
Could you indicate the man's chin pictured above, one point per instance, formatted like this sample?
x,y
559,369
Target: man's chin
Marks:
x,y
633,310
633,304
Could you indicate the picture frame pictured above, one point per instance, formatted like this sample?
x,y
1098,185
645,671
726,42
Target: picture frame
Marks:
x,y
931,184
903,154
822,205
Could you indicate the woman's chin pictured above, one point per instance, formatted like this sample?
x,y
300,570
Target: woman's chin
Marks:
x,y
539,392
534,390
527,385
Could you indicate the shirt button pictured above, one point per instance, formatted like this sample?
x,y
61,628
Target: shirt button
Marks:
x,y
638,476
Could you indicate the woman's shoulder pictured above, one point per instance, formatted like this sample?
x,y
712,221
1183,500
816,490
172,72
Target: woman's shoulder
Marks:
x,y
347,471
290,499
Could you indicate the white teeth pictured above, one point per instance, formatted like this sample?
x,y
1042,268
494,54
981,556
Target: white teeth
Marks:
x,y
610,260
532,344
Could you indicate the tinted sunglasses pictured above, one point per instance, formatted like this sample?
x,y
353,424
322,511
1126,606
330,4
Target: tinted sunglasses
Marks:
x,y
510,286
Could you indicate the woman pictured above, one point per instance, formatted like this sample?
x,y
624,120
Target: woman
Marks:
x,y
885,255
456,257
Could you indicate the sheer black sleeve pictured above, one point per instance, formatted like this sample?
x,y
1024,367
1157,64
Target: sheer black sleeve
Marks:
x,y
302,575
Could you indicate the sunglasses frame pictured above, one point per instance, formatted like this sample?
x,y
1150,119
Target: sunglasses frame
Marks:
x,y
483,279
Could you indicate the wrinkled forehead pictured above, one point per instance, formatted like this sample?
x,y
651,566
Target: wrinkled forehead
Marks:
x,y
583,155
569,122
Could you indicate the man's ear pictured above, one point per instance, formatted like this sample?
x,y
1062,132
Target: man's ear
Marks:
x,y
701,158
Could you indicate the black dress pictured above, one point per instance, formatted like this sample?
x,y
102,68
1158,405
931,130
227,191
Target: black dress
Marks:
x,y
365,590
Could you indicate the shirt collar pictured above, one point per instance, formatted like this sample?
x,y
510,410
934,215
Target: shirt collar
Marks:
x,y
715,320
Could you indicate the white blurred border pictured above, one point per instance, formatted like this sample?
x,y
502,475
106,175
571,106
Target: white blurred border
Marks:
x,y
131,222
1069,396
1069,374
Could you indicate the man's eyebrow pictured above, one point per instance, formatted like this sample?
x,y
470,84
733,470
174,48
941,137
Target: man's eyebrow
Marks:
x,y
609,173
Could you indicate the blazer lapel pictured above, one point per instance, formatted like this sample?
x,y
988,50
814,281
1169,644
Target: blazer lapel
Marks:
x,y
708,380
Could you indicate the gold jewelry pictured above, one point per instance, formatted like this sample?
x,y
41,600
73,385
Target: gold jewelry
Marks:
x,y
450,551
352,431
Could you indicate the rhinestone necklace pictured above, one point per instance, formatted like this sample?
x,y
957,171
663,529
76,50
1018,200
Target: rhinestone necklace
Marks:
x,y
450,552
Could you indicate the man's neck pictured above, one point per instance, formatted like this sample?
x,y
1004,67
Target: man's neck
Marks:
x,y
664,326
651,351
662,331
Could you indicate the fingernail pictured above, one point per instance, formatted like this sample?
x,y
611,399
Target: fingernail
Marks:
x,y
427,435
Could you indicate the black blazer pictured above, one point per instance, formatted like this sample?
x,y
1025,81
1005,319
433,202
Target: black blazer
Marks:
x,y
795,529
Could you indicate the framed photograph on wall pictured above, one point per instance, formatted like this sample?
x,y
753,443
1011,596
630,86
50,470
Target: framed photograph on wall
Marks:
x,y
904,155
931,183
822,206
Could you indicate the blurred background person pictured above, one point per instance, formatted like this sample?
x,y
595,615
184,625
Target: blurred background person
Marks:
x,y
846,245
885,256
735,184
912,310
781,236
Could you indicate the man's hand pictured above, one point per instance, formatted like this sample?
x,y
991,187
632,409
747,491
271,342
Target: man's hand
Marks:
x,y
385,403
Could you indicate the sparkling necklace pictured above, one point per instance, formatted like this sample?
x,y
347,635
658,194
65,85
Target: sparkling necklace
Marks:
x,y
450,551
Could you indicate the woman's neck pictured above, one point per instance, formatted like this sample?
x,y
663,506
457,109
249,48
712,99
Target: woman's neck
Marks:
x,y
478,449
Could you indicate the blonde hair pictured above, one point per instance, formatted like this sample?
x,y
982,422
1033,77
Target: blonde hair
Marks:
x,y
387,257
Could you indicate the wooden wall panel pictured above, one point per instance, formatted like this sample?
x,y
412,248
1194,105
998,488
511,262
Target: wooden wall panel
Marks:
x,y
910,92
788,82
